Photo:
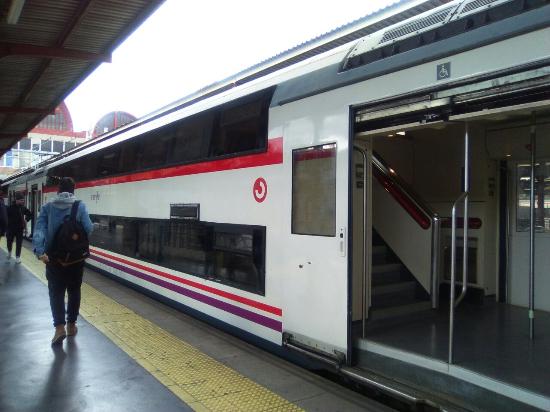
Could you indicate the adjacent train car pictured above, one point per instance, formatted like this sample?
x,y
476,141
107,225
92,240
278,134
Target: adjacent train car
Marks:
x,y
313,206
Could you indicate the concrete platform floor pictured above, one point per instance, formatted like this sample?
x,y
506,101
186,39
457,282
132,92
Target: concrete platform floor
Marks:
x,y
89,372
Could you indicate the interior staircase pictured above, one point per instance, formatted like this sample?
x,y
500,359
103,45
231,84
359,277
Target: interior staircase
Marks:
x,y
395,291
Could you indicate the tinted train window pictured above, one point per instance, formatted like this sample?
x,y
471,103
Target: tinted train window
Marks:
x,y
241,128
129,157
87,167
191,139
155,147
116,234
108,162
238,127
314,190
225,253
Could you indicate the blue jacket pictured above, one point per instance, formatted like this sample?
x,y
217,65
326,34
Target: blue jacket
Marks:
x,y
51,217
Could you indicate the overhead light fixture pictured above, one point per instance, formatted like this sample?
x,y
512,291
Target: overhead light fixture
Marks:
x,y
401,133
15,10
390,135
508,155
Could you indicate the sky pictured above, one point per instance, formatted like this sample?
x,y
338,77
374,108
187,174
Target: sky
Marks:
x,y
186,45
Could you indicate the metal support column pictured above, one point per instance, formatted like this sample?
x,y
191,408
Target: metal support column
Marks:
x,y
365,289
463,197
532,232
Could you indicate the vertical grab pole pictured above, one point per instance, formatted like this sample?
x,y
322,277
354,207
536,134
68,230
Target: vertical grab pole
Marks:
x,y
532,233
364,283
436,230
463,196
364,305
466,222
453,277
453,267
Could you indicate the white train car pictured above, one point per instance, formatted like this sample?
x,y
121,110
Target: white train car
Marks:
x,y
309,206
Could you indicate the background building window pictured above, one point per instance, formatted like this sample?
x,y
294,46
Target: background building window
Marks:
x,y
46,145
57,146
25,144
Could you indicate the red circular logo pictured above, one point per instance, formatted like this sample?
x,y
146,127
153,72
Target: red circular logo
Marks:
x,y
259,190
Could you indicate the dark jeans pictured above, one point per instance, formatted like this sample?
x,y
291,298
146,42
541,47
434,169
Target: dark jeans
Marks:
x,y
18,242
61,279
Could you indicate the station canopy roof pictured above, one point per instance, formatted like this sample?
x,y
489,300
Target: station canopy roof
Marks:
x,y
47,48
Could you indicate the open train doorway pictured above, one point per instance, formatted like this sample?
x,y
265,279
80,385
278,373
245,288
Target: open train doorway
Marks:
x,y
429,163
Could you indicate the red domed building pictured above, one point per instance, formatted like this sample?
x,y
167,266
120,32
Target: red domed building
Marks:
x,y
111,121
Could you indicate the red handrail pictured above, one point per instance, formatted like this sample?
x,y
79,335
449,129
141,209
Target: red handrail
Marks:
x,y
406,203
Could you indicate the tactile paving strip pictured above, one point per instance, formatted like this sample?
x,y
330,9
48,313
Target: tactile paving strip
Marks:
x,y
200,381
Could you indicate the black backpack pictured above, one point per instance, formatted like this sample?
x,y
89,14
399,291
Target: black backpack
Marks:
x,y
70,244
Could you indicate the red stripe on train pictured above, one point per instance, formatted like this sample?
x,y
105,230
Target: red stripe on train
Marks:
x,y
273,156
227,295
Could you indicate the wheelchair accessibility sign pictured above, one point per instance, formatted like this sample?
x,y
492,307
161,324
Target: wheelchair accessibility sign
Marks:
x,y
443,71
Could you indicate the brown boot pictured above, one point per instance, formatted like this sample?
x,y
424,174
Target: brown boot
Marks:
x,y
71,329
59,335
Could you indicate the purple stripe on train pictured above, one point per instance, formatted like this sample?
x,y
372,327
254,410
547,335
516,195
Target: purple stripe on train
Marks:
x,y
227,307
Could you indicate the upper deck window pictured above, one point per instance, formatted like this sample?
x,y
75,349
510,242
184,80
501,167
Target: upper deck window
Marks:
x,y
238,127
242,127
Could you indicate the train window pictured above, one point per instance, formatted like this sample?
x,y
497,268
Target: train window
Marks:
x,y
238,256
150,240
241,127
191,139
87,167
69,146
115,234
108,162
314,190
225,253
186,247
129,157
155,147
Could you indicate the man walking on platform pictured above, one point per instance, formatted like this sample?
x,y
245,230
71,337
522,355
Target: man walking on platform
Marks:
x,y
61,241
18,216
3,218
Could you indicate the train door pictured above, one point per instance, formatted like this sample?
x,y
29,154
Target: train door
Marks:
x,y
518,283
316,298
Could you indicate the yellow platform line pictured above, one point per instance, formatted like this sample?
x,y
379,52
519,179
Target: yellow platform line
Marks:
x,y
197,379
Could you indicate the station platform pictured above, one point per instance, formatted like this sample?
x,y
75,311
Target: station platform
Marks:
x,y
132,353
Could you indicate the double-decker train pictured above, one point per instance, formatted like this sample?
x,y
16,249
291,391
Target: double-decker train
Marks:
x,y
364,197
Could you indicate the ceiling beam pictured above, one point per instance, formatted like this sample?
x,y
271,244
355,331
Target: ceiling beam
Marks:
x,y
11,136
14,49
16,109
77,17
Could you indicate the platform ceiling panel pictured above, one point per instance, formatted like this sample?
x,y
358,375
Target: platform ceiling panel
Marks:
x,y
49,47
